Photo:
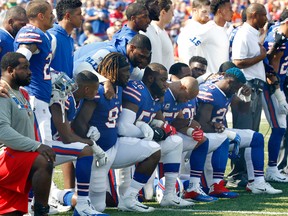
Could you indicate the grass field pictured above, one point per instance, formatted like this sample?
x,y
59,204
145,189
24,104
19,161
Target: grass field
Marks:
x,y
245,204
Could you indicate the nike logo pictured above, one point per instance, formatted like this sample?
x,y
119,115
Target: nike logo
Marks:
x,y
176,202
143,207
281,178
260,189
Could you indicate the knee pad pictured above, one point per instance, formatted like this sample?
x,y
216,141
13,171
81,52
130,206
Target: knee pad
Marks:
x,y
257,140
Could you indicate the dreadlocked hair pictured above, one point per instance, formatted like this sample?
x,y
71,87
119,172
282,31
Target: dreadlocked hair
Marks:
x,y
110,66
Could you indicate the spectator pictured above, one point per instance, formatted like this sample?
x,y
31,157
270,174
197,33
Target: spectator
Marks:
x,y
117,13
98,16
90,37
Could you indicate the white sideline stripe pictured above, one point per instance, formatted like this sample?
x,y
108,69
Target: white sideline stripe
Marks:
x,y
238,212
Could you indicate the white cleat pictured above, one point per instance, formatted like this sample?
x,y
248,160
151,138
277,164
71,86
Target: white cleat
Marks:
x,y
56,207
131,203
87,209
261,188
274,175
172,199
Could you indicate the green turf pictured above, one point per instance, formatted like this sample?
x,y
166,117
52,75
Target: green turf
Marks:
x,y
245,204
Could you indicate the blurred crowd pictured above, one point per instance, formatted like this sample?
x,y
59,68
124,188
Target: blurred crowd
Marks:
x,y
103,18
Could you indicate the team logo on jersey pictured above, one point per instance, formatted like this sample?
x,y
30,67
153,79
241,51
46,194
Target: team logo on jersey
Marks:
x,y
167,106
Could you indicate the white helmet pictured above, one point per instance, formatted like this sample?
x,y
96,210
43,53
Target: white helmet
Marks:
x,y
62,86
160,188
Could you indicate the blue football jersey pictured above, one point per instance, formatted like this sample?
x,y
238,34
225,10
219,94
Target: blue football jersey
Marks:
x,y
63,55
171,107
40,85
105,117
6,43
88,50
93,58
137,93
124,32
71,109
189,109
210,94
268,43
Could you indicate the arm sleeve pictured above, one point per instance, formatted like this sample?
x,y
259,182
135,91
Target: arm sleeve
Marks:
x,y
9,136
126,126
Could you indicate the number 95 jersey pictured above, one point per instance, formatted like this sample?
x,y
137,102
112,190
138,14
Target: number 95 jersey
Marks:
x,y
105,117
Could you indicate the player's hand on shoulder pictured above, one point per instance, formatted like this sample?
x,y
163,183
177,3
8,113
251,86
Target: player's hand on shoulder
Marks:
x,y
3,91
109,91
47,152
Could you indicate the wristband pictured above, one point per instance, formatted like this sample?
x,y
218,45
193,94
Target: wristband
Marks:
x,y
247,98
230,134
189,131
26,52
157,123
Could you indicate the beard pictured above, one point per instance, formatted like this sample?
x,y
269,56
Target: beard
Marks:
x,y
22,82
156,90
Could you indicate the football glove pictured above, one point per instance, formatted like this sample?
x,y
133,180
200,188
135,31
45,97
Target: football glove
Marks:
x,y
93,133
101,157
235,151
169,129
159,134
280,39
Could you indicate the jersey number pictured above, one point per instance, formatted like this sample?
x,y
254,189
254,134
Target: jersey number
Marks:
x,y
221,113
112,117
146,115
46,70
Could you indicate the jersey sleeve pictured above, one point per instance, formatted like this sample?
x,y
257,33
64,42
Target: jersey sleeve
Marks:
x,y
132,92
205,95
28,35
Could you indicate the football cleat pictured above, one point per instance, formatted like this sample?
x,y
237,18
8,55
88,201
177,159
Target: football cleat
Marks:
x,y
131,203
274,175
237,181
172,199
56,207
86,209
160,189
219,190
261,188
196,193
